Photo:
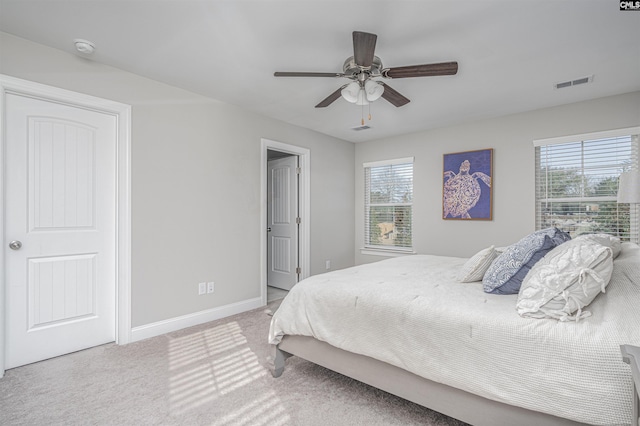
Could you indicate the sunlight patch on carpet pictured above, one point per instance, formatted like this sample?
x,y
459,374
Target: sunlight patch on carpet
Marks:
x,y
263,411
186,350
198,378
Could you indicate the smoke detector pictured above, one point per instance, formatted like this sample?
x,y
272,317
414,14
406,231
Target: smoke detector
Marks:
x,y
84,46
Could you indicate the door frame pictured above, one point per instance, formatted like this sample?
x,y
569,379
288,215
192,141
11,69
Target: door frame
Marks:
x,y
304,206
122,113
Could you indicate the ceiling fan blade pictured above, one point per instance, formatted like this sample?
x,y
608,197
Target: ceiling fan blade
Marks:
x,y
427,70
364,46
394,96
307,74
330,99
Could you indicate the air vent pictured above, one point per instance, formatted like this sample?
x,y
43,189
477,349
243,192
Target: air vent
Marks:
x,y
582,80
575,82
357,129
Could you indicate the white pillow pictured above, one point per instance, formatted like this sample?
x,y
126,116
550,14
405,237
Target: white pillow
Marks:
x,y
606,240
476,266
566,280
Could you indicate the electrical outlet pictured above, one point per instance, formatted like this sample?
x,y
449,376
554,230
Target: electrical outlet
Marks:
x,y
328,264
202,288
210,287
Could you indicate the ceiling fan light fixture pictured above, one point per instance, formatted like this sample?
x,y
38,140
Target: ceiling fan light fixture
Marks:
x,y
364,66
373,90
362,98
350,92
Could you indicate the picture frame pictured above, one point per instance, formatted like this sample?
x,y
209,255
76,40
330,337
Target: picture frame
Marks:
x,y
467,185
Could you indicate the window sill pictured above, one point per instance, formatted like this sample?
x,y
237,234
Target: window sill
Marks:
x,y
386,252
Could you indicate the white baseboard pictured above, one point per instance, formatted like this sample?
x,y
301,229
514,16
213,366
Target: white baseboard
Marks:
x,y
178,323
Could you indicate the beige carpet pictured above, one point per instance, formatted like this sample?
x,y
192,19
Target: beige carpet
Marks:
x,y
212,374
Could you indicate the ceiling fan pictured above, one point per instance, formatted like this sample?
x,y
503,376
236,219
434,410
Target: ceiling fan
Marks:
x,y
363,67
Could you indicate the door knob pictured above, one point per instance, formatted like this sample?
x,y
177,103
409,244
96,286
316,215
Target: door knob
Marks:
x,y
268,229
15,245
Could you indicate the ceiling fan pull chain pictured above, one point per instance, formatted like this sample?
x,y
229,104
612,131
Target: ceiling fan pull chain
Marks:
x,y
362,121
369,112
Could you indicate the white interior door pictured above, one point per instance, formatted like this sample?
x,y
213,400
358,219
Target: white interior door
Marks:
x,y
282,231
61,208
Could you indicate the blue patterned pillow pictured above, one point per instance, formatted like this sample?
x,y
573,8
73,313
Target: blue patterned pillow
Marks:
x,y
506,273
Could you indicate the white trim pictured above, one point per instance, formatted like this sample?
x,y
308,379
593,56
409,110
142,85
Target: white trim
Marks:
x,y
123,244
386,252
304,162
405,160
122,113
613,133
178,323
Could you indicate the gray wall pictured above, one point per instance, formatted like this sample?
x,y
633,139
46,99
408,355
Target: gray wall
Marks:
x,y
511,138
196,184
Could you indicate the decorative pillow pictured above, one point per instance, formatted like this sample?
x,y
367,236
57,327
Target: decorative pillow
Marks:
x,y
568,278
476,266
506,273
606,240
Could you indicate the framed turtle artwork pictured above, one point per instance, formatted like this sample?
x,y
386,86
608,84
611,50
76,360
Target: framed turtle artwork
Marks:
x,y
467,184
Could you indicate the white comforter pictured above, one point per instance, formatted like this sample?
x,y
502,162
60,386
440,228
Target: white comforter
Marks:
x,y
412,313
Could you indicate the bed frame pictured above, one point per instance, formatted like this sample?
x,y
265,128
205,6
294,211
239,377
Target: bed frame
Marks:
x,y
447,400
631,355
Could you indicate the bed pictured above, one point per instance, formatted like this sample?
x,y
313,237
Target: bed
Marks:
x,y
408,326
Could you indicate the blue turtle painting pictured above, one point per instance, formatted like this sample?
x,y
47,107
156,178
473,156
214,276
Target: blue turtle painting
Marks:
x,y
462,191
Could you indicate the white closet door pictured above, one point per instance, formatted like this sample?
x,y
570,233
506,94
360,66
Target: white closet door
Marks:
x,y
282,211
61,211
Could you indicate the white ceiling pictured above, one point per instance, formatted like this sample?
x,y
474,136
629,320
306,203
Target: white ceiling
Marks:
x,y
510,52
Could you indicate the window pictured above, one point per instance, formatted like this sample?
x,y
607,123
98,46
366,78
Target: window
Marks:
x,y
577,183
388,204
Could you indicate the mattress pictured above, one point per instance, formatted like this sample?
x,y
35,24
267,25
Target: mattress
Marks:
x,y
412,313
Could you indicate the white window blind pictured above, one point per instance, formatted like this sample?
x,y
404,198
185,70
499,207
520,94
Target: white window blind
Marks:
x,y
388,204
577,185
